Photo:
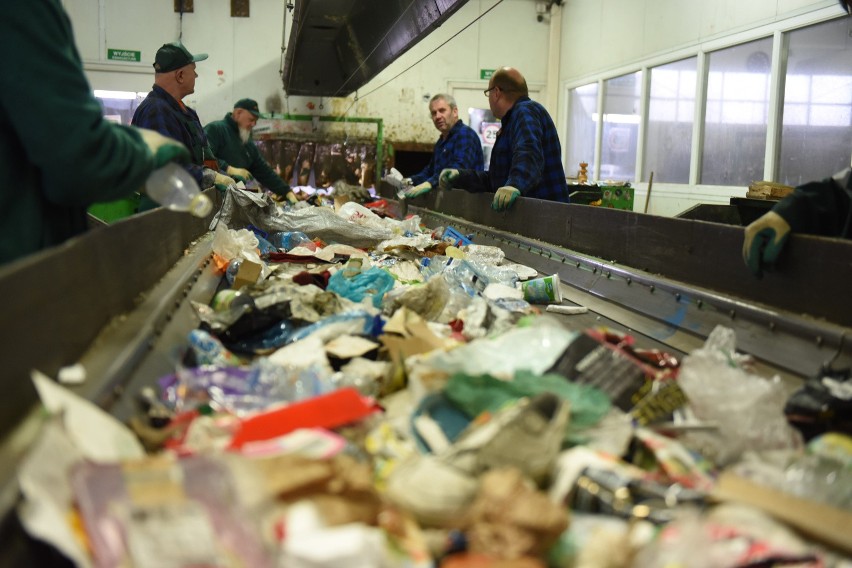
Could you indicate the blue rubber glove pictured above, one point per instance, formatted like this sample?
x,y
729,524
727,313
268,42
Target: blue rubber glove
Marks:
x,y
447,177
417,190
504,197
163,148
764,240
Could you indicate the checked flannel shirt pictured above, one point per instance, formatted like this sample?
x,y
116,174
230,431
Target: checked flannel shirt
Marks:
x,y
526,155
461,150
161,112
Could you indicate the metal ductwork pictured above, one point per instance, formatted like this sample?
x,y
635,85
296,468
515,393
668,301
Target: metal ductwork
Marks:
x,y
336,46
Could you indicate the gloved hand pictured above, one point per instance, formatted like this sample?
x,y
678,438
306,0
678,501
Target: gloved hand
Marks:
x,y
291,197
764,240
421,189
504,197
163,148
446,178
237,173
223,182
407,181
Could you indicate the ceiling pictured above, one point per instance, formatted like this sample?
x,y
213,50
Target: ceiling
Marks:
x,y
336,46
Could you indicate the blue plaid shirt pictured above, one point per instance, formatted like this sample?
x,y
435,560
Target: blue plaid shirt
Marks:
x,y
161,112
461,150
526,155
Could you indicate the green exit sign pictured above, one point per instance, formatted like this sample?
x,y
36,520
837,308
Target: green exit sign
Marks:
x,y
486,73
124,55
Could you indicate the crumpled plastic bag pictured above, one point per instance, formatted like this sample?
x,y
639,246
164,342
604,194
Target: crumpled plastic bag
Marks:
x,y
233,244
240,208
543,344
747,408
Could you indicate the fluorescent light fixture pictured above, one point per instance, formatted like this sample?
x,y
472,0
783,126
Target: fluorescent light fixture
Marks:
x,y
128,95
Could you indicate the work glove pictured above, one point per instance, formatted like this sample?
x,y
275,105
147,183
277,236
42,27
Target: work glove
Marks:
x,y
764,240
447,177
239,174
163,148
504,197
223,182
421,189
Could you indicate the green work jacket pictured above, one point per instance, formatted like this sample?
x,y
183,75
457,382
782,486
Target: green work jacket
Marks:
x,y
57,153
224,138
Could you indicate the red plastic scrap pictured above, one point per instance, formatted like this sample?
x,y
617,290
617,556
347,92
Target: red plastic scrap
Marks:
x,y
330,411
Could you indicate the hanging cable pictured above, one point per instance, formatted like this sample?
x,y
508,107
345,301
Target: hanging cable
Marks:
x,y
448,40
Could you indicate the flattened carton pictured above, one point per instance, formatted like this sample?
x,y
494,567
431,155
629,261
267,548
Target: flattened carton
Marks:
x,y
617,197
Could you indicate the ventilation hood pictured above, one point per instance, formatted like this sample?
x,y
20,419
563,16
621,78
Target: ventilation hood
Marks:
x,y
336,46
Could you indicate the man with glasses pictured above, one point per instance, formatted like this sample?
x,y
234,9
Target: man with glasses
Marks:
x,y
458,146
817,208
527,156
163,110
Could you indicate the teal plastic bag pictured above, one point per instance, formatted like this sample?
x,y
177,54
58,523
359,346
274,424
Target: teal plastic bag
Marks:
x,y
374,282
477,394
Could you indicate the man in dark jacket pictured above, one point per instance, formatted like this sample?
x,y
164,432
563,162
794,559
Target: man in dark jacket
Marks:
x,y
163,110
232,144
527,156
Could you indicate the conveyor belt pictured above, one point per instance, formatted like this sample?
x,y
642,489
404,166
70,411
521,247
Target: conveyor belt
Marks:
x,y
676,315
134,350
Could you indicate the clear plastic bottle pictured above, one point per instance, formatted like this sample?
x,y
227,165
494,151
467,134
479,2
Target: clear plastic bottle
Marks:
x,y
173,187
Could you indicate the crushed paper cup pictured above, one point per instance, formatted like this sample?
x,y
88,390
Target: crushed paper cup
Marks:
x,y
542,290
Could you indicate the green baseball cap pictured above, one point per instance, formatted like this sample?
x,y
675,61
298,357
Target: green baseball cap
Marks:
x,y
174,56
249,105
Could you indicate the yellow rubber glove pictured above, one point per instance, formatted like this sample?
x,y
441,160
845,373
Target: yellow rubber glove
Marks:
x,y
421,189
764,240
239,172
504,197
447,177
163,148
223,182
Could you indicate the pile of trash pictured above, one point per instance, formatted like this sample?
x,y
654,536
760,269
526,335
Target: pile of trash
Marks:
x,y
364,391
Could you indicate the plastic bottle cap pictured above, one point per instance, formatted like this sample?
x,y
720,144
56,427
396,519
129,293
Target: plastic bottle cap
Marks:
x,y
200,206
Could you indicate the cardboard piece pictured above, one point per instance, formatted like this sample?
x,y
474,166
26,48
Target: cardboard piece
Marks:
x,y
247,274
822,522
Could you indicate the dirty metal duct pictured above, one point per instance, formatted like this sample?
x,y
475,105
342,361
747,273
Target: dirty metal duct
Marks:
x,y
336,46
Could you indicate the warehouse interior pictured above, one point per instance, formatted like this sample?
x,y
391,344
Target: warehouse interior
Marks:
x,y
368,375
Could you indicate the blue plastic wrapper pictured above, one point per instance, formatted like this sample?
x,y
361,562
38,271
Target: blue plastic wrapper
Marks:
x,y
352,323
242,390
373,283
268,340
287,240
265,246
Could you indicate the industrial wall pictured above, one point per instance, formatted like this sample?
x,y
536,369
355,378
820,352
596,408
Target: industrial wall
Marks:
x,y
245,57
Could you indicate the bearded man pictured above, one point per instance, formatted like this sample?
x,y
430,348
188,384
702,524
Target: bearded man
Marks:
x,y
231,141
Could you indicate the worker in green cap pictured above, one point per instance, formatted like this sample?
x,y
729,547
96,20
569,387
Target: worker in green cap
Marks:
x,y
163,110
58,155
231,141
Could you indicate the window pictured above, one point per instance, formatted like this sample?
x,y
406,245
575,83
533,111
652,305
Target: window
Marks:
x,y
119,106
580,143
816,138
735,122
671,112
620,127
